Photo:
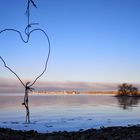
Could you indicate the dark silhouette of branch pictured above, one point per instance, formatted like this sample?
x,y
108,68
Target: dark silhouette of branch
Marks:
x,y
28,14
33,3
25,103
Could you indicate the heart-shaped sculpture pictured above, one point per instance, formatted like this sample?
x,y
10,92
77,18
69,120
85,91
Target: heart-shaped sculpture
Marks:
x,y
26,41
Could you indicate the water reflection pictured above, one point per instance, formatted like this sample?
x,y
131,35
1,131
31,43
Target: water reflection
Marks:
x,y
127,103
63,109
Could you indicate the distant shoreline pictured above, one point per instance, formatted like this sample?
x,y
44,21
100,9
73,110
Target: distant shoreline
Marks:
x,y
74,92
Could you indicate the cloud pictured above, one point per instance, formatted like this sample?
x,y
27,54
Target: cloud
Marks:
x,y
9,85
13,86
78,86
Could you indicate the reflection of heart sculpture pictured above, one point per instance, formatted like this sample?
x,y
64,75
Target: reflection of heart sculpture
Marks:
x,y
26,41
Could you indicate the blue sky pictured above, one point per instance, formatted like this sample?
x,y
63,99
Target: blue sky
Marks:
x,y
92,40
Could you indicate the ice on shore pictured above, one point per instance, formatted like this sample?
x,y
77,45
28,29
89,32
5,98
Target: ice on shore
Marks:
x,y
71,124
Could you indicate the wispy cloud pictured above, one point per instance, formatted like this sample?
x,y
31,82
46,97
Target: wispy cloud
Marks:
x,y
13,86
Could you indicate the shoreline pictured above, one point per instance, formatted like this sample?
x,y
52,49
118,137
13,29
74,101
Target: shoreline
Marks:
x,y
75,92
104,133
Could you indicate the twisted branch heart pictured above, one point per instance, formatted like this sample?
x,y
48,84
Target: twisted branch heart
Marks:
x,y
26,41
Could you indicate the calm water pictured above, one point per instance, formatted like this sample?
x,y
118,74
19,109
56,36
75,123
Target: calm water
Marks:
x,y
68,112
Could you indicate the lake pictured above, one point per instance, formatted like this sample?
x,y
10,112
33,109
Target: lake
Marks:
x,y
50,113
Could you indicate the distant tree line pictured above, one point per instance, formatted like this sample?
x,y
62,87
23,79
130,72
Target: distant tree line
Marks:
x,y
127,90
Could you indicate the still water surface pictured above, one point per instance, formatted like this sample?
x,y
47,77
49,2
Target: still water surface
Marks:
x,y
68,112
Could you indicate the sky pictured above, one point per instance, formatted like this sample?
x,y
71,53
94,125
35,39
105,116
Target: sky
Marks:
x,y
91,40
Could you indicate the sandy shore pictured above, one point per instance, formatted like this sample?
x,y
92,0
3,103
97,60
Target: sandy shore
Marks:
x,y
109,133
